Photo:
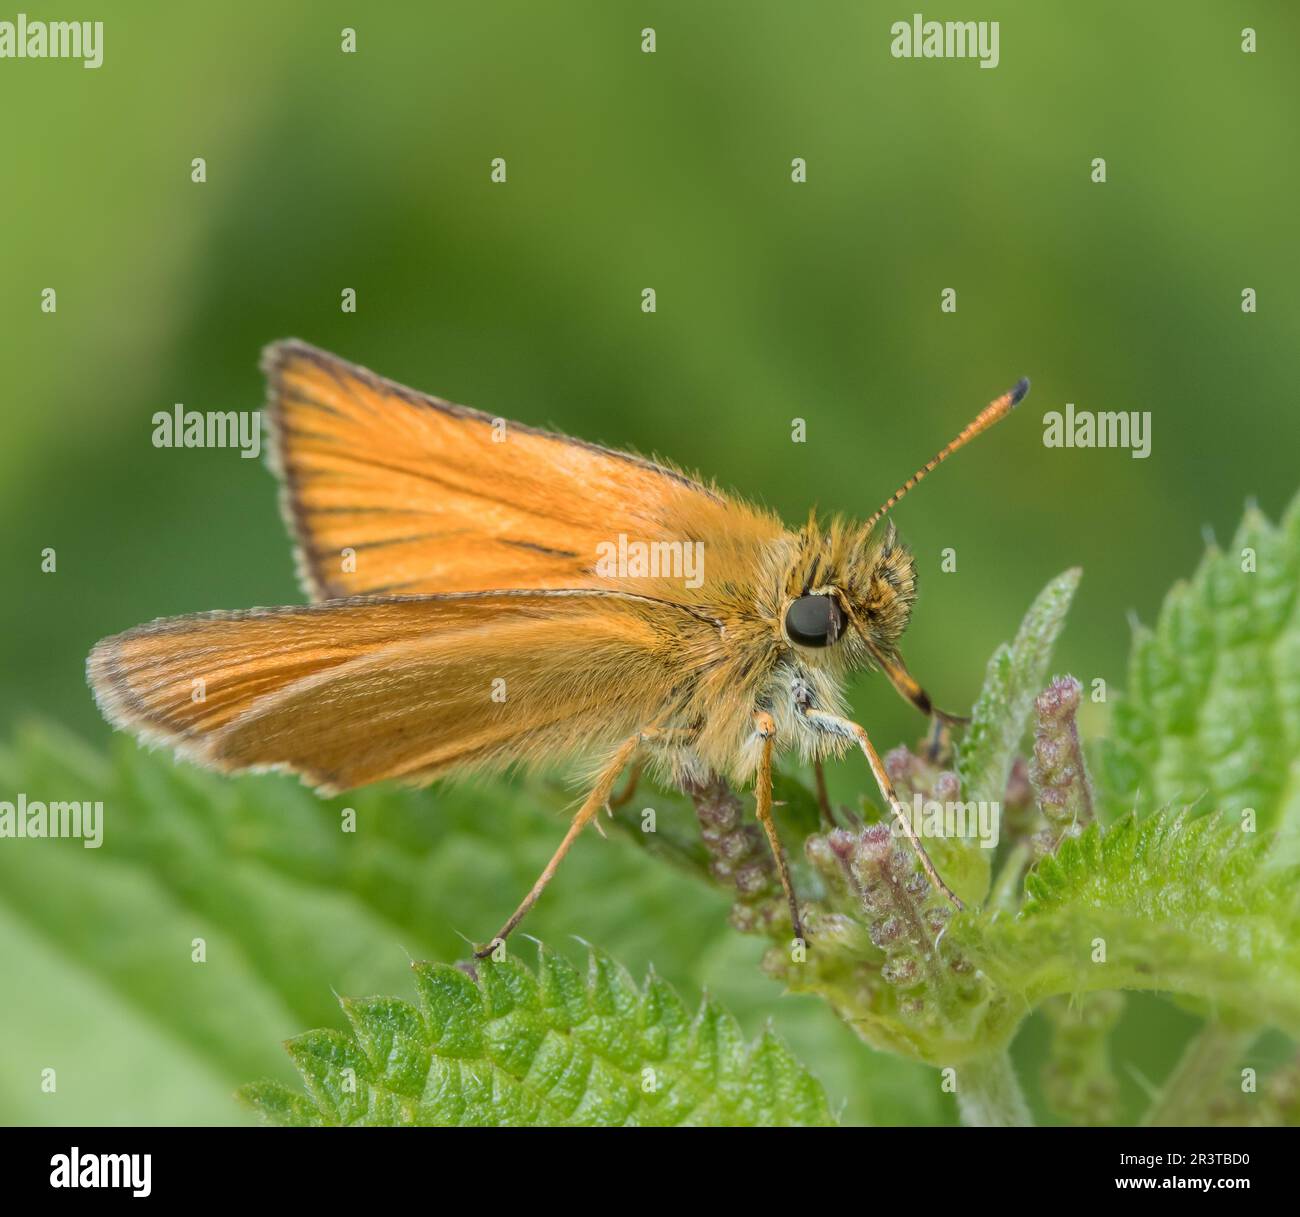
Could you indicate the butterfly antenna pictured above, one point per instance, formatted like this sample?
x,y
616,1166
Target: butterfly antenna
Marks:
x,y
994,412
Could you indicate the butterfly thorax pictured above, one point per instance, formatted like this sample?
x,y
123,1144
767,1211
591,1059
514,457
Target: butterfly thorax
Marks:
x,y
735,656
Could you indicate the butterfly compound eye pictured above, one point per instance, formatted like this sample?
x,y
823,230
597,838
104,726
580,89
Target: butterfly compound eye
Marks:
x,y
814,621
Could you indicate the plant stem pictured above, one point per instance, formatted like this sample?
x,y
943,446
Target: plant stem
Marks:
x,y
989,1095
1199,1076
1006,887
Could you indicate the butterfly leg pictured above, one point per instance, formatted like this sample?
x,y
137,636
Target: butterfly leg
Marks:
x,y
594,801
832,724
624,796
823,796
766,728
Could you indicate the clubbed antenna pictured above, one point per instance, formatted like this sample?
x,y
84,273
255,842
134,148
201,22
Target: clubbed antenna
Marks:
x,y
994,412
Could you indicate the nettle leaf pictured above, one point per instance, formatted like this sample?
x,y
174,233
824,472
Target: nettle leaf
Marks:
x,y
292,907
1212,713
1192,906
510,1047
1016,674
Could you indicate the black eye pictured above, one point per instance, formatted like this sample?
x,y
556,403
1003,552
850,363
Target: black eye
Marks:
x,y
814,621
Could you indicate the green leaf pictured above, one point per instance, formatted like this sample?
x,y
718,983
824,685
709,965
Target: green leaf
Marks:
x,y
1212,713
1191,906
1015,676
291,909
507,1047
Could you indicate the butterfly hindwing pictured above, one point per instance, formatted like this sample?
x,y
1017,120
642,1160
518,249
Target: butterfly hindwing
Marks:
x,y
354,691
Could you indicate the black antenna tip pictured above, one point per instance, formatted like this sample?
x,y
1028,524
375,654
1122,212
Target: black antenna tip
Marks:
x,y
1021,391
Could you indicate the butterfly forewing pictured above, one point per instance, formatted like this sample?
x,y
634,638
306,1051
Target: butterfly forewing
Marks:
x,y
389,491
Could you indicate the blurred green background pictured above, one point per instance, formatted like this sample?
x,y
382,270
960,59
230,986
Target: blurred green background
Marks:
x,y
776,300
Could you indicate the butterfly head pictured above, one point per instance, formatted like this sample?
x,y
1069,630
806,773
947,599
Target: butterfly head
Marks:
x,y
848,594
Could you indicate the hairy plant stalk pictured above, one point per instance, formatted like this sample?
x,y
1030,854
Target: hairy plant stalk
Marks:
x,y
989,1094
1077,1079
1189,1092
1005,893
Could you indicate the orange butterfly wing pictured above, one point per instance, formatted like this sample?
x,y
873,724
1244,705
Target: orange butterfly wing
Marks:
x,y
389,491
451,549
352,692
